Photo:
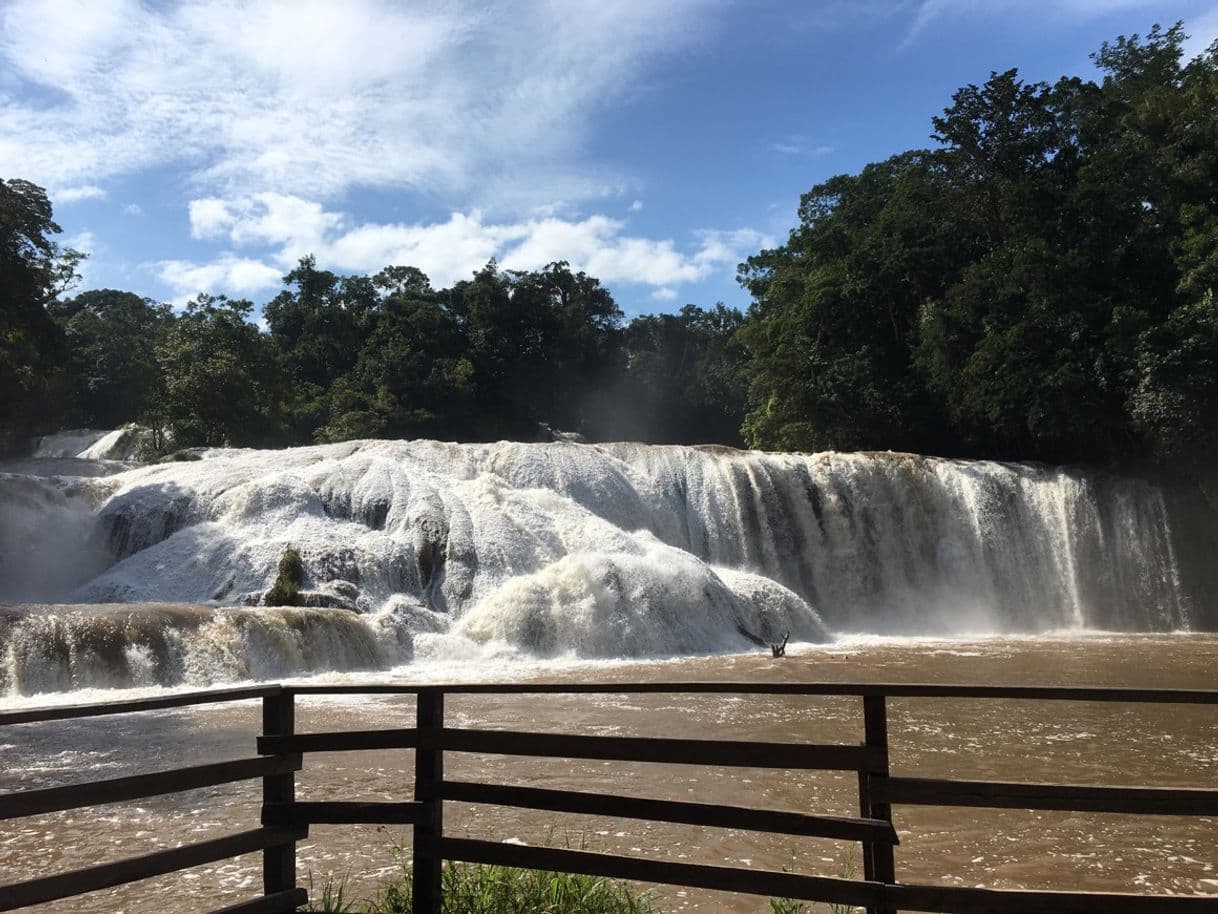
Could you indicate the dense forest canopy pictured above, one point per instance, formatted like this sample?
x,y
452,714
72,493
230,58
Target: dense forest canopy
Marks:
x,y
1039,285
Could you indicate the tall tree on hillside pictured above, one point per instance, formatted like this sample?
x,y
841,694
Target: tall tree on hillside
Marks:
x,y
835,312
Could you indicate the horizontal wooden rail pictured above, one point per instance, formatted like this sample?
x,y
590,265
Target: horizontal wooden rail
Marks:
x,y
139,786
621,807
961,900
107,875
277,903
700,876
857,689
341,741
132,705
848,689
562,745
1168,801
344,813
939,899
742,754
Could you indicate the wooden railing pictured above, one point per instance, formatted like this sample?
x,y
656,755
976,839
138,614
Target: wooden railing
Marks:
x,y
286,820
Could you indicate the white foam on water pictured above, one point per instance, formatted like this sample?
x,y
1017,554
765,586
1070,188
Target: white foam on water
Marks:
x,y
492,551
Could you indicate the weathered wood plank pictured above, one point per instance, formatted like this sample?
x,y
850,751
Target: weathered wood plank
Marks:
x,y
652,749
341,741
727,879
139,786
857,689
959,900
427,873
344,813
129,706
1168,801
279,861
107,875
279,903
623,807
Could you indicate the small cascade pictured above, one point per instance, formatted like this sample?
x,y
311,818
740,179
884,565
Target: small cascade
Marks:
x,y
63,648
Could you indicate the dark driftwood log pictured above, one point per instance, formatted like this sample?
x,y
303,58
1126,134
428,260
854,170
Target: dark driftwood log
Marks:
x,y
780,650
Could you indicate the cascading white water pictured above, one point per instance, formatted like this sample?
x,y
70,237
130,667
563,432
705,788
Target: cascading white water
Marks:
x,y
551,549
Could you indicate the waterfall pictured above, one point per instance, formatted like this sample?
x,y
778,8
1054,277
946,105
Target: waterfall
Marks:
x,y
558,549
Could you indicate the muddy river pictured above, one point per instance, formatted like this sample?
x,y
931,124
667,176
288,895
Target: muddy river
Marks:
x,y
1012,740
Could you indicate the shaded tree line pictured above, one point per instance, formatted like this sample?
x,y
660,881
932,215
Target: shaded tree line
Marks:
x,y
1039,285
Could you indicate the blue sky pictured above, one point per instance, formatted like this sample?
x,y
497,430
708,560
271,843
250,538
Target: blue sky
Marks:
x,y
204,146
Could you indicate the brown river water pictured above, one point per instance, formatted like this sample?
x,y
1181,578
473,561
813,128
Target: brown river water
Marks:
x,y
1156,745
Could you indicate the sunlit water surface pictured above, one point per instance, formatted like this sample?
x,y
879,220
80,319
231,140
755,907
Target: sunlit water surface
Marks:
x,y
1031,741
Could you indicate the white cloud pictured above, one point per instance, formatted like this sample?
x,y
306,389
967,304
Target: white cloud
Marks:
x,y
802,146
1202,32
730,248
314,97
66,195
664,294
229,274
636,206
284,228
133,209
85,242
296,225
930,11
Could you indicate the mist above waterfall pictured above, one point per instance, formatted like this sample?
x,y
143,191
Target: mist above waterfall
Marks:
x,y
576,550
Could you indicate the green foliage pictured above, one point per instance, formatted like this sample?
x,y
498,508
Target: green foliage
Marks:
x,y
538,343
1040,286
682,381
33,271
478,889
112,338
288,581
333,898
219,384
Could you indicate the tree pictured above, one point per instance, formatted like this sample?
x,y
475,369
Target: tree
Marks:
x,y
34,270
411,378
1174,400
539,342
1038,286
681,381
317,326
111,337
222,386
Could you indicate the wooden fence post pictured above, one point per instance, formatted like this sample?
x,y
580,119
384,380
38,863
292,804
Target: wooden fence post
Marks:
x,y
428,776
879,863
278,795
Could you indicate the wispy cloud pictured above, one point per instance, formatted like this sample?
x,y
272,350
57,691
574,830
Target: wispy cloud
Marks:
x,y
314,97
797,145
67,195
1202,32
927,12
277,229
